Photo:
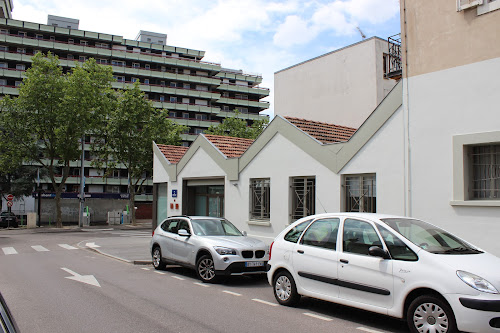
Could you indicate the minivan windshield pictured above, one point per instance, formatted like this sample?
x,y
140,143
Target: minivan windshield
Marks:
x,y
430,237
214,227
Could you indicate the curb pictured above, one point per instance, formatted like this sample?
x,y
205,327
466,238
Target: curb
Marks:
x,y
134,262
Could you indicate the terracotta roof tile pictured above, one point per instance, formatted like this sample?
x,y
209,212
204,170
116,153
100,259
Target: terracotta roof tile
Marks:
x,y
173,153
323,132
229,146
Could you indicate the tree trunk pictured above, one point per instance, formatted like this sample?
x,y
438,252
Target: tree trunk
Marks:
x,y
132,203
58,206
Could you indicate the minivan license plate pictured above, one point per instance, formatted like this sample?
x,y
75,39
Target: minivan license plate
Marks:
x,y
254,264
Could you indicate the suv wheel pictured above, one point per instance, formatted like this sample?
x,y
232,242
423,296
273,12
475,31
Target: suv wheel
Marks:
x,y
158,262
205,269
429,313
284,289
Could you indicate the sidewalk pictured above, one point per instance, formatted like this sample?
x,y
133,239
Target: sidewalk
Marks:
x,y
128,249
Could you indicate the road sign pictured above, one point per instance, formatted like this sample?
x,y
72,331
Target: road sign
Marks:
x,y
9,203
10,197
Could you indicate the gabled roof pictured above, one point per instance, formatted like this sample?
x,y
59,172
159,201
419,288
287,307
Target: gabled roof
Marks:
x,y
323,132
229,146
173,153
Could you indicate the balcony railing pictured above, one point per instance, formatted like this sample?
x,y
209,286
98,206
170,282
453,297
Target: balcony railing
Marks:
x,y
393,63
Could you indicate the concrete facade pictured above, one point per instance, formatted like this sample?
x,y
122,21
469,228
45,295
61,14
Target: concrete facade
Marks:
x,y
341,87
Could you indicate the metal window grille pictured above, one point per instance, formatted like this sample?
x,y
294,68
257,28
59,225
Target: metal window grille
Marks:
x,y
360,193
485,179
260,199
303,197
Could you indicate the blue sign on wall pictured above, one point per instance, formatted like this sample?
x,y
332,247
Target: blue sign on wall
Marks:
x,y
174,193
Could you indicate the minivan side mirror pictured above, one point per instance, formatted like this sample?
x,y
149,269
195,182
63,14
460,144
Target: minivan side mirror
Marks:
x,y
183,232
376,251
244,233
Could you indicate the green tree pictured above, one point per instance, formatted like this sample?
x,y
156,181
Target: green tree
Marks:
x,y
128,138
237,127
54,111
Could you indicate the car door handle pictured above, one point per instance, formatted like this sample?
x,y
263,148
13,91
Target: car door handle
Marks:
x,y
344,261
300,251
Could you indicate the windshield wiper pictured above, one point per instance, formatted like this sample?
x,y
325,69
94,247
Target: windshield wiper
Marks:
x,y
461,250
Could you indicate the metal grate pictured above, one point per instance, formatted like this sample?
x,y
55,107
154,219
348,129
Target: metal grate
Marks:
x,y
393,68
485,172
303,197
360,194
260,198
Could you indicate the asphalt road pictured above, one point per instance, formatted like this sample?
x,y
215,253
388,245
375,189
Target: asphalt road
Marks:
x,y
53,282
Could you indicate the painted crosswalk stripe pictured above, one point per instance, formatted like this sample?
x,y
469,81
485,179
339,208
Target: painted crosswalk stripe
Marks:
x,y
178,278
231,293
146,269
39,248
264,302
9,250
201,284
368,330
67,247
161,273
317,317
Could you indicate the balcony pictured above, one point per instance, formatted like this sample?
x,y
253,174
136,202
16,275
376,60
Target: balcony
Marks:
x,y
393,65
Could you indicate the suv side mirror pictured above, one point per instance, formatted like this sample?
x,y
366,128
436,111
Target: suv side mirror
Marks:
x,y
376,251
244,233
183,233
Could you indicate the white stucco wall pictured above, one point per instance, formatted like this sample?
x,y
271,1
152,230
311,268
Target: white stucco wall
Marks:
x,y
383,155
442,104
342,87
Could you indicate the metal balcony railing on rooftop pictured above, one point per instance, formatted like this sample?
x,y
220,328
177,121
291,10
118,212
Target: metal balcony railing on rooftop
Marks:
x,y
393,67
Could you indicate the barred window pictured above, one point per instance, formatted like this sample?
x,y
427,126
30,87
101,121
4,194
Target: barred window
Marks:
x,y
260,199
485,173
303,194
360,193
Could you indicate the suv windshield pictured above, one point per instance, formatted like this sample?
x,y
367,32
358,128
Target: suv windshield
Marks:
x,y
214,227
429,237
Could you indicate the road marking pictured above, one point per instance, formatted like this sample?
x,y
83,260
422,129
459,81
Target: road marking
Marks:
x,y
201,284
109,229
178,278
67,247
88,279
146,269
317,317
161,273
39,248
264,302
231,293
9,250
368,330
92,245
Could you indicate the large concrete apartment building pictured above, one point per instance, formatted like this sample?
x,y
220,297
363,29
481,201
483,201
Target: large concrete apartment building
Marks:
x,y
195,92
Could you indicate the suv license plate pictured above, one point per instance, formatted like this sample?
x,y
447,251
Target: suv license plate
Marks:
x,y
254,264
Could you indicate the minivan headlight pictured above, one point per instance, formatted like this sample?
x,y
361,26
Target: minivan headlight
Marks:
x,y
477,282
223,251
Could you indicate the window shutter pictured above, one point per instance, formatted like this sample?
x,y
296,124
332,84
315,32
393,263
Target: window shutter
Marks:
x,y
464,4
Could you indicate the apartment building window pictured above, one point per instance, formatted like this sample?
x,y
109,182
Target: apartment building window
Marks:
x,y
201,117
102,61
119,78
162,98
38,36
225,108
201,88
4,31
3,82
225,94
172,114
360,193
84,42
173,84
147,66
146,81
21,50
102,45
163,68
4,48
20,67
4,65
52,38
186,86
303,196
71,41
243,110
22,34
260,199
241,96
37,51
117,63
485,172
136,65
82,58
198,131
134,79
70,57
173,99
18,83
162,83
185,115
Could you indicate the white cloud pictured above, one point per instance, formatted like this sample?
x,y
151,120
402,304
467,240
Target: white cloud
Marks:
x,y
372,11
294,31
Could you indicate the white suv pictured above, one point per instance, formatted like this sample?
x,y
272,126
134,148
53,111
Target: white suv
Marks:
x,y
392,265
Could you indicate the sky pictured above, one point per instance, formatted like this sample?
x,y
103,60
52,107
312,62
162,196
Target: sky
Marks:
x,y
256,36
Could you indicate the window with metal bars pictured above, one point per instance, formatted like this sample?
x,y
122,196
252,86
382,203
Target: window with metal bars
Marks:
x,y
260,199
303,194
485,172
360,193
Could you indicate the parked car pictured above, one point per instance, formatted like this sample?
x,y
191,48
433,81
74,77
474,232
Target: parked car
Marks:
x,y
8,219
214,247
397,266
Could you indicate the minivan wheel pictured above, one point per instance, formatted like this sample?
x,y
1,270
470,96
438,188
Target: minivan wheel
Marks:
x,y
205,269
428,313
284,289
158,262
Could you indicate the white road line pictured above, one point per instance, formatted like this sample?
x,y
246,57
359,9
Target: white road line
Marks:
x,y
9,250
161,273
146,269
92,245
178,278
231,293
264,302
368,330
39,248
67,247
201,284
317,317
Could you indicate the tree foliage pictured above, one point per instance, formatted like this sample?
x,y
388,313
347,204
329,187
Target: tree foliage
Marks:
x,y
128,137
237,127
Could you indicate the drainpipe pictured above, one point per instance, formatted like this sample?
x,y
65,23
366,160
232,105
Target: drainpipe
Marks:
x,y
406,109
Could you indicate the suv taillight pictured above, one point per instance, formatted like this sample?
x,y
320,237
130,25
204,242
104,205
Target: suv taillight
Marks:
x,y
153,233
270,249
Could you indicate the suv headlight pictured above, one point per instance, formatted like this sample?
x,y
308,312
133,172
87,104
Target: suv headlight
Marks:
x,y
223,251
477,282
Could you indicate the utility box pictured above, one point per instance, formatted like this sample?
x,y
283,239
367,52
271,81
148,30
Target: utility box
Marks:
x,y
114,217
125,218
31,222
86,219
